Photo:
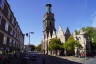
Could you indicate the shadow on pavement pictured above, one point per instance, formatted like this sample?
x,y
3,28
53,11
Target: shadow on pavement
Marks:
x,y
56,60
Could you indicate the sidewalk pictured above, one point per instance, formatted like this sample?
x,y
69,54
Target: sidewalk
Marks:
x,y
92,60
76,59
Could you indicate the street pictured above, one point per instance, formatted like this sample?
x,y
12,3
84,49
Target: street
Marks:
x,y
37,58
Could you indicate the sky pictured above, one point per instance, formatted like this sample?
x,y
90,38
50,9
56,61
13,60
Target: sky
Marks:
x,y
74,14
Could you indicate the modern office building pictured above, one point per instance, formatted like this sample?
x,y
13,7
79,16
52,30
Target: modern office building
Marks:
x,y
11,36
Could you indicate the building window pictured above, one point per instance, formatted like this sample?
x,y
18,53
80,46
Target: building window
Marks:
x,y
12,32
5,10
3,22
8,41
1,3
0,18
13,21
50,23
1,38
9,29
5,39
6,26
13,43
11,18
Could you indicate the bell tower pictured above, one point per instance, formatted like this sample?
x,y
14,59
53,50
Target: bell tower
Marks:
x,y
48,27
49,22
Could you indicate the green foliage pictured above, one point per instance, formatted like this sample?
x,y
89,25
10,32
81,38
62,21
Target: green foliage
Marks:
x,y
91,32
76,32
32,47
70,44
54,44
77,44
38,48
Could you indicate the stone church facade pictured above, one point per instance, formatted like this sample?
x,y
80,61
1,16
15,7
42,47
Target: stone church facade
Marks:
x,y
49,32
49,29
84,40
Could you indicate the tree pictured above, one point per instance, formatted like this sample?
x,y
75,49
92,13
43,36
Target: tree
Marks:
x,y
54,44
77,44
32,47
67,34
38,48
91,32
70,45
76,32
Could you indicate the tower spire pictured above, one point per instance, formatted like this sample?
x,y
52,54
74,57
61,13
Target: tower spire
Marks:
x,y
48,6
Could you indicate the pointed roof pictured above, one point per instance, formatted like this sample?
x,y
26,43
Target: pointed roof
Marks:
x,y
54,34
67,31
60,34
60,30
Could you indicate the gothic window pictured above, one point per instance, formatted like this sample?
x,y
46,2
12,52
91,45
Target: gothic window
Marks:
x,y
77,38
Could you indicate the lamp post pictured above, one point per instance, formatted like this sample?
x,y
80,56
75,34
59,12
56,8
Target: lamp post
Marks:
x,y
28,35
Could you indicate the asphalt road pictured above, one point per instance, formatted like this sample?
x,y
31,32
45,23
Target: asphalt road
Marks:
x,y
41,59
45,59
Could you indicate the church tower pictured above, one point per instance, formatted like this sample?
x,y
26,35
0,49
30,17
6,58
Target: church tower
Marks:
x,y
49,22
48,26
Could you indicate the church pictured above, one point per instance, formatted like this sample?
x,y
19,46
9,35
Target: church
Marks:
x,y
49,30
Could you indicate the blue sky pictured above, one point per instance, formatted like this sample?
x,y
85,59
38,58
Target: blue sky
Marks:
x,y
68,13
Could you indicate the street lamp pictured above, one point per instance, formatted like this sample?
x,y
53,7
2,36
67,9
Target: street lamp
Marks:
x,y
28,35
